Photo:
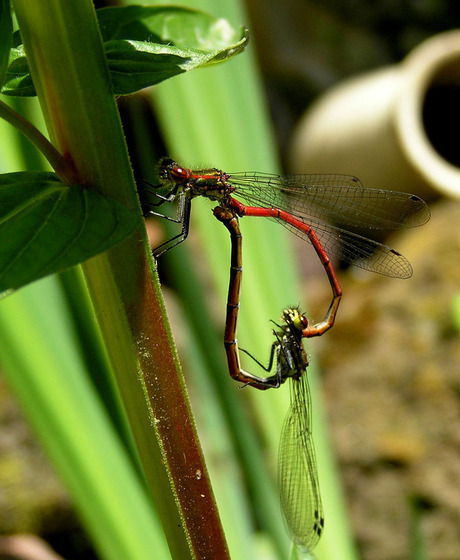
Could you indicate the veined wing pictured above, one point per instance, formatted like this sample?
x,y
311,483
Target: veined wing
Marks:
x,y
297,473
356,249
337,199
341,214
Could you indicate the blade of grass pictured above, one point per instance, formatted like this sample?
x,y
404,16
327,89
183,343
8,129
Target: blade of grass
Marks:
x,y
92,350
419,550
38,358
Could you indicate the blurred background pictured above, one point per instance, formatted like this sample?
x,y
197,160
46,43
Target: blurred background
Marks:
x,y
390,367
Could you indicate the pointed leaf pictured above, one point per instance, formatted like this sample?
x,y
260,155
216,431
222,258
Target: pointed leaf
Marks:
x,y
18,79
46,226
146,45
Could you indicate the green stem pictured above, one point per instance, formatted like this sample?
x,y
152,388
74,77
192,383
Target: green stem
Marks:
x,y
55,159
68,67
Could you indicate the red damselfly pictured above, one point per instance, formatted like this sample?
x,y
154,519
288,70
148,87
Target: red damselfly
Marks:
x,y
334,212
297,473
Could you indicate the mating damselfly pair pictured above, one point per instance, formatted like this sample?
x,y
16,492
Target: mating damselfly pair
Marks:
x,y
339,217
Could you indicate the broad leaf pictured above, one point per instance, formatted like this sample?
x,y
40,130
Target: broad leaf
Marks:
x,y
145,45
46,226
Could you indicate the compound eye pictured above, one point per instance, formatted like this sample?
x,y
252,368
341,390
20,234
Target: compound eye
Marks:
x,y
303,321
294,317
178,173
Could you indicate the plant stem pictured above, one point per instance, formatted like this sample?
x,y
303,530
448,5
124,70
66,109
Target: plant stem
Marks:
x,y
55,159
68,67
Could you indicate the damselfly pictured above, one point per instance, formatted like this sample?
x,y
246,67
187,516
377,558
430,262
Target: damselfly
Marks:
x,y
297,472
334,212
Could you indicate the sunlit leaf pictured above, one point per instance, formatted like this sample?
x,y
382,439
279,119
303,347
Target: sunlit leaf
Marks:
x,y
145,45
46,226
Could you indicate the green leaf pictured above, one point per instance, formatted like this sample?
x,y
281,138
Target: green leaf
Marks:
x,y
46,226
146,45
18,79
6,37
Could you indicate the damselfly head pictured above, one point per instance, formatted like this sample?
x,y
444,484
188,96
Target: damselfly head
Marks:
x,y
293,317
170,171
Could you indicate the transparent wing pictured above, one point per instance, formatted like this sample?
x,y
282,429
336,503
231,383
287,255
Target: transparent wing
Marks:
x,y
358,250
297,472
339,199
341,212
